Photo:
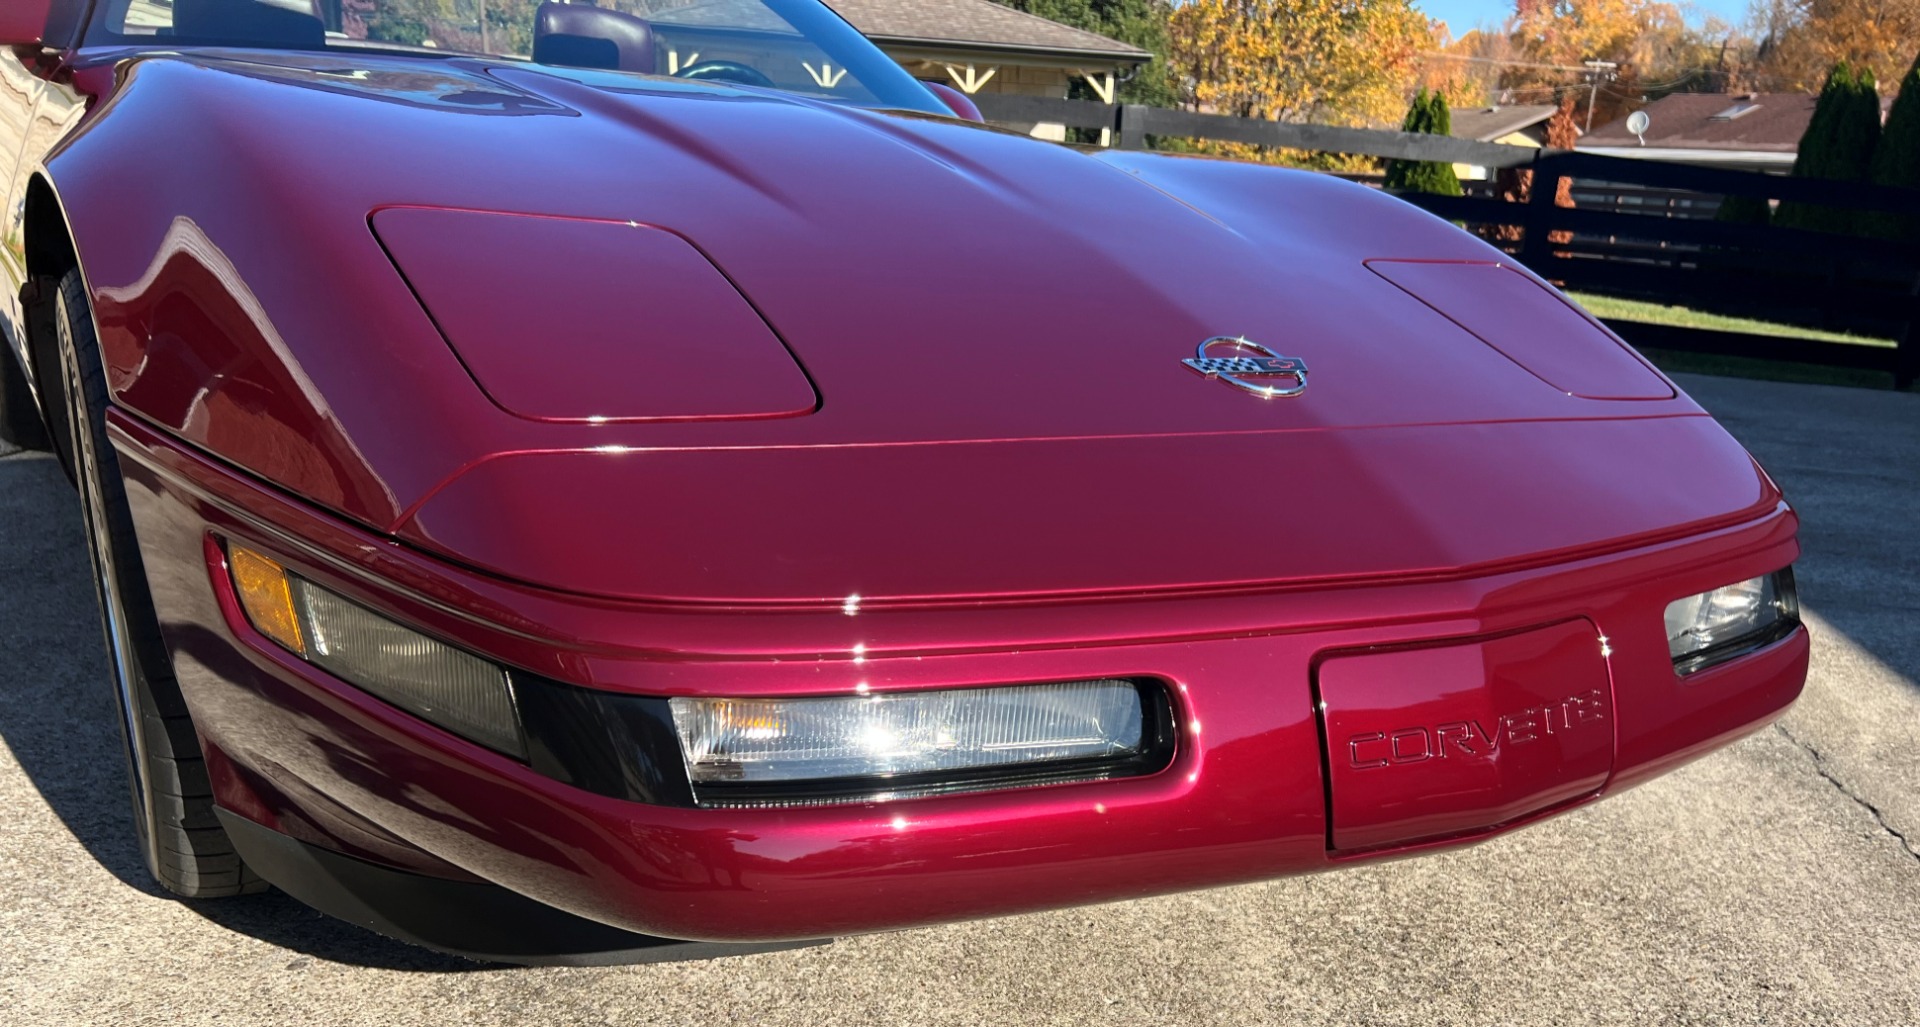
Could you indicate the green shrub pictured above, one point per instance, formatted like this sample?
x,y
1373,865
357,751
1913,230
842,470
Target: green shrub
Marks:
x,y
1897,160
1838,146
1429,116
1744,210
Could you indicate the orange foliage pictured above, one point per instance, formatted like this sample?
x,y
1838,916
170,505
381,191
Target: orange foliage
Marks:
x,y
1649,41
1342,62
1805,38
1515,185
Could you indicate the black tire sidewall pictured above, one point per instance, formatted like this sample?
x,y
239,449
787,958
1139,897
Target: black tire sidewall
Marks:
x,y
180,840
80,376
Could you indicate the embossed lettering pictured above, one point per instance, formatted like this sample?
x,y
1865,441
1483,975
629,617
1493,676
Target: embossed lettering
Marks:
x,y
1353,750
1404,742
1490,741
1458,733
1586,709
1375,749
1522,726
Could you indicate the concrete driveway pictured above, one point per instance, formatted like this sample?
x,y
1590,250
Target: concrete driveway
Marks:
x,y
1777,882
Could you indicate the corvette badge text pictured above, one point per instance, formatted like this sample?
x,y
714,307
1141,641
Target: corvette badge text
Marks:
x,y
1472,739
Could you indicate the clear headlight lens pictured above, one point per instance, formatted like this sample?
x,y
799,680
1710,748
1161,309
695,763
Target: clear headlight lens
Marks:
x,y
913,741
1714,626
430,679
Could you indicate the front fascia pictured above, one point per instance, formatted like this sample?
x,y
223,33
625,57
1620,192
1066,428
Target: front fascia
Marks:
x,y
1053,519
1243,799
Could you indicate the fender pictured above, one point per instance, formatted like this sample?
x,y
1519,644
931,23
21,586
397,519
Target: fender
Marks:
x,y
217,270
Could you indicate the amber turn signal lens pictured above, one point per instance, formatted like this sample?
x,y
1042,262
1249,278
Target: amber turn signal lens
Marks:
x,y
426,677
267,596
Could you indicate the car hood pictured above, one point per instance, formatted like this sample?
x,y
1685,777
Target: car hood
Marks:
x,y
994,329
940,281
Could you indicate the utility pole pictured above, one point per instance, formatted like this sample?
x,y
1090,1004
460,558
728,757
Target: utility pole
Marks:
x,y
1596,70
484,48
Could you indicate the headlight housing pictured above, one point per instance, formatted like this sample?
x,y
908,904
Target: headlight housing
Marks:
x,y
717,752
1713,627
426,677
802,751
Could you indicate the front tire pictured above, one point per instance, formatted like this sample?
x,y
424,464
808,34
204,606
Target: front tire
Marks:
x,y
185,848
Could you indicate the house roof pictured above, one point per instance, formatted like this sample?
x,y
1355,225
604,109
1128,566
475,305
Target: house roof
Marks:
x,y
978,24
1771,123
1485,124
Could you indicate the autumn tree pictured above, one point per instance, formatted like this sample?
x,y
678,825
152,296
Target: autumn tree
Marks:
x,y
1838,146
509,24
1470,69
1804,38
1540,55
454,24
411,22
1561,135
1140,22
1342,62
1649,42
1515,185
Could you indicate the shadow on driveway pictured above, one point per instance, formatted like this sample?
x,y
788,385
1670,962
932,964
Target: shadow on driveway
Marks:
x,y
57,718
1849,462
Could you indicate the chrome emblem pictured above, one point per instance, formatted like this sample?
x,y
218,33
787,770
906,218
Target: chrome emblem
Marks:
x,y
1244,364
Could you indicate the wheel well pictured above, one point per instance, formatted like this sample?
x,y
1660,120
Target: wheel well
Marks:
x,y
49,248
50,255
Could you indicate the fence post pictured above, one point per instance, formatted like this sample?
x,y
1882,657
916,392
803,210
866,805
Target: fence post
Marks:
x,y
1130,126
1906,359
1535,250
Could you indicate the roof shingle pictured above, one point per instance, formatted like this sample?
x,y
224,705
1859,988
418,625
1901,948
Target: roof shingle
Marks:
x,y
1485,124
980,22
1684,121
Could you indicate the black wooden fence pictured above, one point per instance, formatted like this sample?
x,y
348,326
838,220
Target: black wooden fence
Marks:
x,y
1848,283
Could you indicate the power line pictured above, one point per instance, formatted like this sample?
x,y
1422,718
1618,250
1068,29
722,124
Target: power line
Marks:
x,y
1655,87
1583,69
1505,63
1530,90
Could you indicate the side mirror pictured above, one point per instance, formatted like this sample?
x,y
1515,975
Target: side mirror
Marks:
x,y
24,22
958,102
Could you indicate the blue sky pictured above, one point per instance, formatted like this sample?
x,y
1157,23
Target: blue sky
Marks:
x,y
1462,15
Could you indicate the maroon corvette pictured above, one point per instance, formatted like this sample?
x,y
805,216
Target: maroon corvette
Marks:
x,y
655,479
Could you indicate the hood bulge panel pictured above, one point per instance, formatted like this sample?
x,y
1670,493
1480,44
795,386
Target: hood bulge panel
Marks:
x,y
609,320
1510,311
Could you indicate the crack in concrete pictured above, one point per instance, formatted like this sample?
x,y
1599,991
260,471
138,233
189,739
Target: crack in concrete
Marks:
x,y
1820,767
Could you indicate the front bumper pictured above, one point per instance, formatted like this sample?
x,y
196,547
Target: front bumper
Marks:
x,y
1245,797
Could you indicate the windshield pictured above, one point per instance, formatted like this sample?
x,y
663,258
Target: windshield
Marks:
x,y
798,46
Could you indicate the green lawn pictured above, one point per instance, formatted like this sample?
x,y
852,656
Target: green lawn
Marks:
x,y
1610,308
1679,362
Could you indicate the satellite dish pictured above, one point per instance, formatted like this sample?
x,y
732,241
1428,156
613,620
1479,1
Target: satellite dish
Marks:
x,y
1637,123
